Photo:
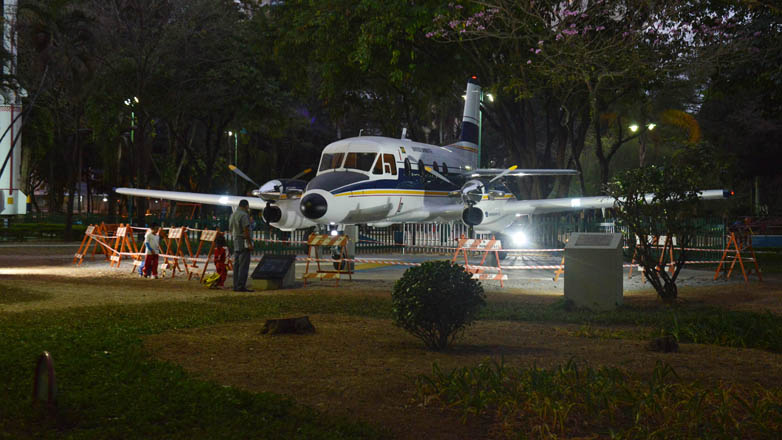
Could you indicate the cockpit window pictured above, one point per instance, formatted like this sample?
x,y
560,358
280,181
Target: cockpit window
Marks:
x,y
360,161
331,161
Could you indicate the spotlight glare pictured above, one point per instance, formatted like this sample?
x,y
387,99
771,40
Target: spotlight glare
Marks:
x,y
519,238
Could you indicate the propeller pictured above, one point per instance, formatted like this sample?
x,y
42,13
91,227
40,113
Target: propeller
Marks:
x,y
302,173
241,174
503,174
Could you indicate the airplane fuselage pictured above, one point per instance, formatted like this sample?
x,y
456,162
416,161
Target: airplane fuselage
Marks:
x,y
381,181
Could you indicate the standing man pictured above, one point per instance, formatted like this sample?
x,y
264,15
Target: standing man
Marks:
x,y
243,245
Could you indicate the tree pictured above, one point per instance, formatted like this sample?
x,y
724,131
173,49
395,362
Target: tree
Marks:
x,y
568,64
662,201
370,64
741,111
58,37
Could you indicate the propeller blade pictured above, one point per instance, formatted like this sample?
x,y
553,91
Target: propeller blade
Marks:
x,y
503,174
242,175
302,173
438,175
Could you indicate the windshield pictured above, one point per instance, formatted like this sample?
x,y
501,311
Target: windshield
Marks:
x,y
360,161
331,161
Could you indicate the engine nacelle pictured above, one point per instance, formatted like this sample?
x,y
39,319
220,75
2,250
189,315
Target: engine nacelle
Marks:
x,y
285,215
472,216
272,214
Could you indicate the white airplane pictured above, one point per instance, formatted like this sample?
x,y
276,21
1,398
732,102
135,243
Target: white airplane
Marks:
x,y
381,181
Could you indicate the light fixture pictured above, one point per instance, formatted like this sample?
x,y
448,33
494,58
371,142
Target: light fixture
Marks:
x,y
490,96
633,128
230,133
520,238
334,232
105,199
651,126
223,200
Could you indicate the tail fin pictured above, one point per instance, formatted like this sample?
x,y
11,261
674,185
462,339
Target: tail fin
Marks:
x,y
472,108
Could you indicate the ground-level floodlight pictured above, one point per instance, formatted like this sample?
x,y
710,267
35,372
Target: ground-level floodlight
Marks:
x,y
45,383
520,238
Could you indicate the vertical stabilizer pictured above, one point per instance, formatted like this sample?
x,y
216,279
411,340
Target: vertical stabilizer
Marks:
x,y
472,113
470,138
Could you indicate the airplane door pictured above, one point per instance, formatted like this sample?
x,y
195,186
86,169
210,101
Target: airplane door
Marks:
x,y
389,164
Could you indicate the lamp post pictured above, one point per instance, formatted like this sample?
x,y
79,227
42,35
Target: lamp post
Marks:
x,y
236,156
642,141
130,103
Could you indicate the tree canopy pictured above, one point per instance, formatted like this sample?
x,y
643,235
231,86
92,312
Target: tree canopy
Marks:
x,y
144,93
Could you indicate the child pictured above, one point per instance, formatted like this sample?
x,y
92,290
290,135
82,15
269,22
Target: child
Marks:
x,y
220,255
151,251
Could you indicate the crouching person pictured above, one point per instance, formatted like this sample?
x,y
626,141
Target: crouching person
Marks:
x,y
151,251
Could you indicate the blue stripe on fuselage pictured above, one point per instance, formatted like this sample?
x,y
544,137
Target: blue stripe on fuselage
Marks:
x,y
404,182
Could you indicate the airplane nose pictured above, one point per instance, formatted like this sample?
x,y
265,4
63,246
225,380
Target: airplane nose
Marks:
x,y
313,206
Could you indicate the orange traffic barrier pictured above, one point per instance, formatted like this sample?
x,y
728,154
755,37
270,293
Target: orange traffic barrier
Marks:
x,y
738,242
486,247
314,242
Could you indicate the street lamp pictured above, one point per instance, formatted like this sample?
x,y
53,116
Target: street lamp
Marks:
x,y
236,157
130,103
642,141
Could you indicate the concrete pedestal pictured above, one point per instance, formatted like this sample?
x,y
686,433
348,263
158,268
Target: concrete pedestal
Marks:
x,y
593,270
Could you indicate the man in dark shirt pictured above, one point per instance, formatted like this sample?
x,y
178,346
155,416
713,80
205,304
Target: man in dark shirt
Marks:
x,y
239,225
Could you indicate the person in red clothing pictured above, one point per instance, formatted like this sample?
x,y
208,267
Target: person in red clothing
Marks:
x,y
151,251
220,255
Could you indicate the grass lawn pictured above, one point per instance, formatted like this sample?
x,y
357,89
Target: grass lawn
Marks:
x,y
198,368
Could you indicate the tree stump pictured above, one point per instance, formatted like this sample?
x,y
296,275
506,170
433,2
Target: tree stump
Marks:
x,y
666,344
300,325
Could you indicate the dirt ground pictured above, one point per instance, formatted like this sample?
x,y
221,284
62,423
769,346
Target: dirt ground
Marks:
x,y
366,368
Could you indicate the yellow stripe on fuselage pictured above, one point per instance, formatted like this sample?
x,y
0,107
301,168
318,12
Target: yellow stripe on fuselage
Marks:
x,y
470,149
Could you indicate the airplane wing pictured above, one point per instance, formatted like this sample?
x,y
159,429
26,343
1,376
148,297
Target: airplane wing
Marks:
x,y
491,172
207,199
545,206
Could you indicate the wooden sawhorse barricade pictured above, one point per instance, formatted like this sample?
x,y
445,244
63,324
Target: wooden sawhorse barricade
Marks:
x,y
315,241
486,247
668,243
174,238
738,242
90,239
206,237
125,243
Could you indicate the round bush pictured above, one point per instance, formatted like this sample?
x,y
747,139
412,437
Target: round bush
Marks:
x,y
435,301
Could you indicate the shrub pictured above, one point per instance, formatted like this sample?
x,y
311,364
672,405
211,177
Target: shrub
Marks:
x,y
435,301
